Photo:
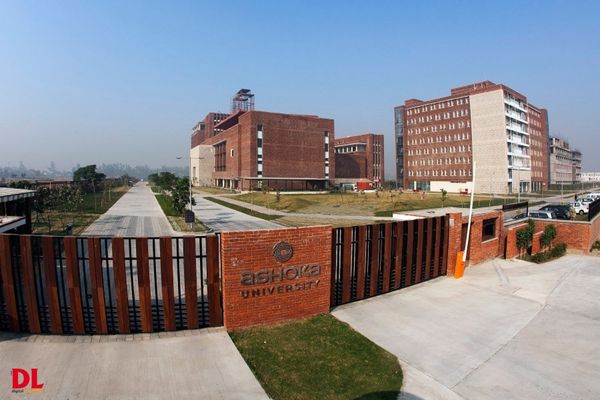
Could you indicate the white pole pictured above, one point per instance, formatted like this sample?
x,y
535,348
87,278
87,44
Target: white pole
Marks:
x,y
470,214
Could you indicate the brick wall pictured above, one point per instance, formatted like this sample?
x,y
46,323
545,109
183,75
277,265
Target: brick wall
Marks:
x,y
480,250
249,252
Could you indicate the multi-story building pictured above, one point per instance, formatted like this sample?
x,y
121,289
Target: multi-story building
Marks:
x,y
360,157
399,143
487,123
577,157
590,176
251,150
565,163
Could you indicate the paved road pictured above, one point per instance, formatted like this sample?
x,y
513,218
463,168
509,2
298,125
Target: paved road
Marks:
x,y
202,364
136,213
507,330
220,218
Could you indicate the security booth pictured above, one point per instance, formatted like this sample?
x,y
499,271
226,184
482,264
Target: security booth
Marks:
x,y
15,210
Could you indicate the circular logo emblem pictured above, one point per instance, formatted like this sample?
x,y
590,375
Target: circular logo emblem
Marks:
x,y
283,251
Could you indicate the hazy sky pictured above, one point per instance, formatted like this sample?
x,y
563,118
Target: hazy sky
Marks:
x,y
125,81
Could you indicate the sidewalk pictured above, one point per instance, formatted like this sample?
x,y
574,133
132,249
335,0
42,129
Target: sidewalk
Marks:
x,y
199,364
136,213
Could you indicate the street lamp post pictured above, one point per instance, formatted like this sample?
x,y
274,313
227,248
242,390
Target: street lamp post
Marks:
x,y
190,179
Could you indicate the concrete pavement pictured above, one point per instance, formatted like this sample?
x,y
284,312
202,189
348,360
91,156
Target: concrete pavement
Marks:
x,y
201,364
220,218
507,330
136,213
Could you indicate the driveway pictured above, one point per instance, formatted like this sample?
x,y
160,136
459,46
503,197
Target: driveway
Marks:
x,y
136,213
200,364
507,330
220,218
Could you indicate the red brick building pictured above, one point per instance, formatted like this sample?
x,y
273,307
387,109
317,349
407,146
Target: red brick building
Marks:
x,y
253,149
485,122
360,157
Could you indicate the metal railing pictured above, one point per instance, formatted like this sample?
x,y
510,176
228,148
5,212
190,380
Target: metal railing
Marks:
x,y
78,285
374,259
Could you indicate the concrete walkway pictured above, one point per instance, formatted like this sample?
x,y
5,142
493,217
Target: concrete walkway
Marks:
x,y
202,364
220,218
507,330
136,213
265,210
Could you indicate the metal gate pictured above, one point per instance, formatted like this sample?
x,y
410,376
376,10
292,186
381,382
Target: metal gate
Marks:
x,y
108,285
374,259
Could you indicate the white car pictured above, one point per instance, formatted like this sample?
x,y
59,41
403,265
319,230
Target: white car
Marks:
x,y
580,208
586,200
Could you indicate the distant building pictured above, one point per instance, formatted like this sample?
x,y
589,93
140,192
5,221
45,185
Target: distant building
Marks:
x,y
15,210
590,176
438,140
249,150
360,157
565,163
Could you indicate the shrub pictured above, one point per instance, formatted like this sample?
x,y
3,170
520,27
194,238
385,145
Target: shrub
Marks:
x,y
596,245
540,257
525,236
559,250
548,236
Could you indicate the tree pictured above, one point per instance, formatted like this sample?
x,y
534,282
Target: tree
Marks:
x,y
180,194
89,175
525,237
444,196
548,236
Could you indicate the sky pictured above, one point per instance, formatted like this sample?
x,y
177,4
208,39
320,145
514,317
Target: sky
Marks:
x,y
107,82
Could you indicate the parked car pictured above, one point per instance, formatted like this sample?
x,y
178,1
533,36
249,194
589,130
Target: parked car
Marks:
x,y
586,200
594,196
542,214
580,208
562,211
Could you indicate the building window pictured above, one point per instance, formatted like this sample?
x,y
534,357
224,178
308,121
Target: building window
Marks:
x,y
220,156
327,154
489,229
259,150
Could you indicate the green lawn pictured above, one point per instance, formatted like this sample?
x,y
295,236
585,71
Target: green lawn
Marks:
x,y
53,220
166,206
381,204
319,358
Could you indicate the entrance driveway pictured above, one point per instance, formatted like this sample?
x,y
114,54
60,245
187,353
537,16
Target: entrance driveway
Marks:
x,y
507,330
220,218
200,364
136,213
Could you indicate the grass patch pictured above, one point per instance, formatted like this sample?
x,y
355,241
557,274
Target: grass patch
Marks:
x,y
179,225
381,204
244,210
319,358
53,221
166,206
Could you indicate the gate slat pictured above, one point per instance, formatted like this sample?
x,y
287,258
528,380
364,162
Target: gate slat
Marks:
x,y
215,310
374,273
428,248
143,270
97,285
409,254
387,254
346,265
420,234
33,317
360,262
436,245
190,278
166,280
118,254
8,286
399,251
333,286
446,225
73,284
51,286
